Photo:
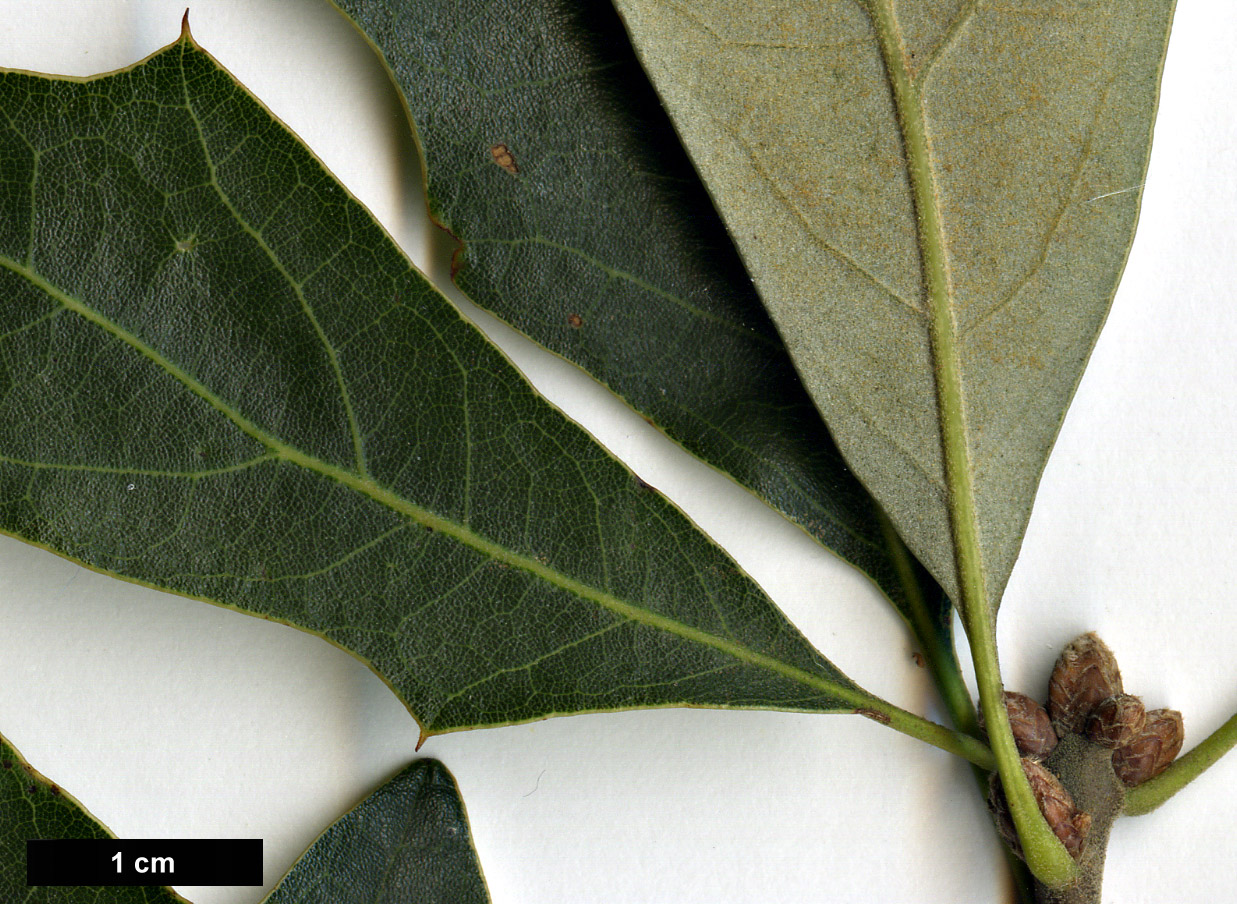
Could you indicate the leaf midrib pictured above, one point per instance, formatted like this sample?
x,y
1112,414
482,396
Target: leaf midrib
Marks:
x,y
278,449
1045,855
942,327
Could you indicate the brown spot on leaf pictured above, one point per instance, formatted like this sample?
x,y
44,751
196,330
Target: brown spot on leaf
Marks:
x,y
575,321
919,660
503,157
873,715
55,789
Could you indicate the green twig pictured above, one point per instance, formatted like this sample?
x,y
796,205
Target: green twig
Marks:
x,y
1150,794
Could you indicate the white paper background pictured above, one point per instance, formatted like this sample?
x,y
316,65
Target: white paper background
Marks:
x,y
172,718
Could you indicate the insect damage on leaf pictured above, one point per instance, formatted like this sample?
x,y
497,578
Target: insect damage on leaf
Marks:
x,y
503,157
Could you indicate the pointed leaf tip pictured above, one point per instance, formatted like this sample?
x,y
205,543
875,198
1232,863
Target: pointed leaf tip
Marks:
x,y
415,826
718,639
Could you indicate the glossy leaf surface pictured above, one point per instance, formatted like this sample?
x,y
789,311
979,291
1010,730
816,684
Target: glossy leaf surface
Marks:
x,y
223,379
33,807
935,199
594,237
408,841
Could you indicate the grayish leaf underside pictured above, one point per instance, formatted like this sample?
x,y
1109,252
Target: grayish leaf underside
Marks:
x,y
1038,117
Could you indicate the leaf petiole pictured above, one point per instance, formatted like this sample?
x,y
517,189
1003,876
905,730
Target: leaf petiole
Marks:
x,y
969,748
935,639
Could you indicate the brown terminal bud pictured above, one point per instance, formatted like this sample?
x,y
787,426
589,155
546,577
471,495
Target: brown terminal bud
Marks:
x,y
1067,822
1029,722
1116,721
1149,754
1086,673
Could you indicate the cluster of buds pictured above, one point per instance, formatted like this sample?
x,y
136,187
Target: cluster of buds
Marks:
x,y
1085,697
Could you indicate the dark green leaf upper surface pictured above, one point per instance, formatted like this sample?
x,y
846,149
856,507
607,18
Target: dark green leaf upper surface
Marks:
x,y
598,241
220,377
31,807
936,199
408,841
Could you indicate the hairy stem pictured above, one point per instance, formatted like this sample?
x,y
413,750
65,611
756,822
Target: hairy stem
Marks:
x,y
1150,794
